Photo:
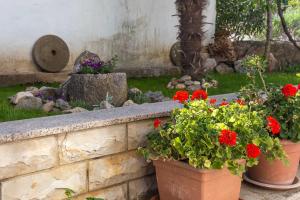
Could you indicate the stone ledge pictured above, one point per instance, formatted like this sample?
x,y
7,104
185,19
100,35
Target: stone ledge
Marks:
x,y
45,126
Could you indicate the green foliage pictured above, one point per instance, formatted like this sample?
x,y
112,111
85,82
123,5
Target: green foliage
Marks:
x,y
273,102
241,17
81,104
70,193
292,17
100,68
193,133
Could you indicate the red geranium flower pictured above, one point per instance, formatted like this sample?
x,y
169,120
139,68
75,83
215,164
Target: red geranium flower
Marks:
x,y
228,137
289,90
273,125
241,102
213,101
181,96
224,103
253,151
157,123
199,94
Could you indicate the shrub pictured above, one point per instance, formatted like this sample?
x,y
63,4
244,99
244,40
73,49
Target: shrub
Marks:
x,y
208,136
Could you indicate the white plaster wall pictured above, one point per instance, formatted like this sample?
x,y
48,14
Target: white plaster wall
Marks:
x,y
140,32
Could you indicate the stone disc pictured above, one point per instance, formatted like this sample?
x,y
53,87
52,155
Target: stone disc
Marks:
x,y
175,54
51,53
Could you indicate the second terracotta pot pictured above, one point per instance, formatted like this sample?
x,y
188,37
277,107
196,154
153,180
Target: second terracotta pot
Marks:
x,y
179,181
276,172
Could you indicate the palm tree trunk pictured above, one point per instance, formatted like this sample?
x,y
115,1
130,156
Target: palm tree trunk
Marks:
x,y
190,13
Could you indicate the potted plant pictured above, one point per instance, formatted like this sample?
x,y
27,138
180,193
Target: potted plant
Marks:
x,y
94,81
205,146
281,110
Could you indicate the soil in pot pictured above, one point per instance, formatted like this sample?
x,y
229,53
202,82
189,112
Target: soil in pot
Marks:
x,y
276,172
179,181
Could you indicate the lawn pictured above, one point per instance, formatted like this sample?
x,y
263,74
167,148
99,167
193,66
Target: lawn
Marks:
x,y
227,84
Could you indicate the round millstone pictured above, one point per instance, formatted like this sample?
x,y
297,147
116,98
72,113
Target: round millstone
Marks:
x,y
175,54
51,53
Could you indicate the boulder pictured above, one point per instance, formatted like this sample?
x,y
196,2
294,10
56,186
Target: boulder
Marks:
x,y
29,103
15,99
75,110
48,93
180,86
33,90
209,65
185,78
62,104
129,103
155,96
48,107
84,56
224,69
93,89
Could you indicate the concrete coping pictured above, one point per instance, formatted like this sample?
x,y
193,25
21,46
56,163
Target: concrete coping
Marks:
x,y
38,127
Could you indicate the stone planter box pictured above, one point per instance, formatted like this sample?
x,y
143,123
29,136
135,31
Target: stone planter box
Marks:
x,y
93,88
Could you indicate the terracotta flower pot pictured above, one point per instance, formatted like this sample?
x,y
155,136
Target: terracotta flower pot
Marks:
x,y
276,172
179,181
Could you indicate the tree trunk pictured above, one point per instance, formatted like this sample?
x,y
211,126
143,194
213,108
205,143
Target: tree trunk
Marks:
x,y
190,13
284,25
269,34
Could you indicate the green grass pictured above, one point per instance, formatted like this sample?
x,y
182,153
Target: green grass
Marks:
x,y
9,113
227,84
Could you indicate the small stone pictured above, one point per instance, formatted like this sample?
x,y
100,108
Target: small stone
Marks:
x,y
194,87
33,90
62,104
48,107
196,83
185,78
204,56
215,83
105,105
15,99
75,110
155,96
29,103
129,103
170,85
188,83
47,93
209,65
224,69
180,86
134,92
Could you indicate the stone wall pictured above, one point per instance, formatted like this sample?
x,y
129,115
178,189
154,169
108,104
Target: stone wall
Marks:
x,y
92,153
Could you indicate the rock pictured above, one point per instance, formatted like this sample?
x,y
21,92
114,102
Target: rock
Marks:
x,y
62,104
196,83
33,90
273,63
214,83
194,87
238,66
84,56
185,78
93,89
48,107
180,86
170,85
29,103
129,103
15,99
209,65
155,96
204,56
224,69
134,92
75,110
105,105
188,83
